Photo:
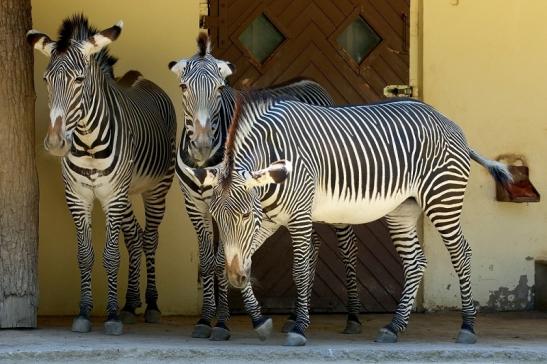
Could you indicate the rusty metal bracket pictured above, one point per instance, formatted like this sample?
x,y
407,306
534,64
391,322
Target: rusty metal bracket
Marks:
x,y
521,189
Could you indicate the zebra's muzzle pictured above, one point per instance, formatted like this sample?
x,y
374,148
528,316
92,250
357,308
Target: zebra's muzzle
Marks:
x,y
55,141
237,276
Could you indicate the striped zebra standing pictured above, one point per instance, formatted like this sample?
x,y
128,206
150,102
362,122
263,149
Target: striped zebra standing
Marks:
x,y
114,141
348,165
208,108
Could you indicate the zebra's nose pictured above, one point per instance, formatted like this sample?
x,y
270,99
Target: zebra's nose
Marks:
x,y
55,142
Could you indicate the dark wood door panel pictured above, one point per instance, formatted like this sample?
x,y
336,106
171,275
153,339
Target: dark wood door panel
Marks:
x,y
310,49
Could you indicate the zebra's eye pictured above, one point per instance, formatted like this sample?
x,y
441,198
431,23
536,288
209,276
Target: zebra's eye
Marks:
x,y
79,79
246,215
183,87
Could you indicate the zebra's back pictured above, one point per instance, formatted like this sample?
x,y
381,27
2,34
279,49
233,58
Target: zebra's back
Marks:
x,y
151,121
365,158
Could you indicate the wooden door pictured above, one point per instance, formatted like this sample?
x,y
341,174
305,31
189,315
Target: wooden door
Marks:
x,y
354,48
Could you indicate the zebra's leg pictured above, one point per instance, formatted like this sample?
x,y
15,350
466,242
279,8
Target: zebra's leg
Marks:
x,y
290,321
203,224
221,332
347,244
300,230
80,209
402,228
133,236
263,325
114,210
154,209
448,225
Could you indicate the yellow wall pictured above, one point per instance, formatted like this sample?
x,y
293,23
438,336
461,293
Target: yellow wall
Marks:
x,y
484,65
154,34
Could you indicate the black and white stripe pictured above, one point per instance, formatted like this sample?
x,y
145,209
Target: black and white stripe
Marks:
x,y
208,109
115,140
348,165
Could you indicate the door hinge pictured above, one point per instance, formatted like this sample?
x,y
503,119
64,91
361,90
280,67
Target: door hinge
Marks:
x,y
398,91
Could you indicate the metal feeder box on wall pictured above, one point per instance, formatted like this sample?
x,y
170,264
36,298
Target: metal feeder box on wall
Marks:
x,y
521,189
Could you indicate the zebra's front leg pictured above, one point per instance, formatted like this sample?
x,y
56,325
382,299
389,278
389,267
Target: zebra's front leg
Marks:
x,y
402,229
202,222
290,321
133,236
300,230
220,331
114,209
347,245
81,214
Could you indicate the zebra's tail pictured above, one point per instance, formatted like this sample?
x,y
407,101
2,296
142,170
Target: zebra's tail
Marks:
x,y
498,170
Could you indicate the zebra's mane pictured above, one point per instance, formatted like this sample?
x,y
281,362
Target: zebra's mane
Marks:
x,y
249,105
77,28
204,44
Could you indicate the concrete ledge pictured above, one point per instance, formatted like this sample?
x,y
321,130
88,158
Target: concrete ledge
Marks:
x,y
514,337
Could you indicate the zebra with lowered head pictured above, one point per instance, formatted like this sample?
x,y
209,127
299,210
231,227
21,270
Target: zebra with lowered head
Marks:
x,y
208,104
289,163
115,139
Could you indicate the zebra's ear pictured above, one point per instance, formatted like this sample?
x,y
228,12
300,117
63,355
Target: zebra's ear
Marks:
x,y
100,40
177,67
40,41
205,177
277,172
225,68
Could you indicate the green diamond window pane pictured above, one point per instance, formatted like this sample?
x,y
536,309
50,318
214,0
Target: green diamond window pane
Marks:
x,y
359,39
261,38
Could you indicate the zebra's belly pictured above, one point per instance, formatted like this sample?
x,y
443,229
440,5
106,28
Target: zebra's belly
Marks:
x,y
332,210
140,184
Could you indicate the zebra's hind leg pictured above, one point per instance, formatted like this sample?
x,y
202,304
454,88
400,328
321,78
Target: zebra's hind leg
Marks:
x,y
81,214
133,236
220,331
402,229
154,209
460,255
347,244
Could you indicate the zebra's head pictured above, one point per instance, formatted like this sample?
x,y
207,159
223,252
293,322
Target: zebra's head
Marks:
x,y
236,208
202,79
67,74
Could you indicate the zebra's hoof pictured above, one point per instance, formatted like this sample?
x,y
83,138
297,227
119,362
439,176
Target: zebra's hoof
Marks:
x,y
128,317
81,324
152,316
220,334
386,336
295,339
265,329
466,337
352,327
288,326
113,327
202,331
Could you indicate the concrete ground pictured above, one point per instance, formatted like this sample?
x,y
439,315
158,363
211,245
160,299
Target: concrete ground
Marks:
x,y
503,337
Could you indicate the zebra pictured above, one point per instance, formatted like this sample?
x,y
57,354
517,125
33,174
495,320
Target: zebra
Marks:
x,y
114,140
289,163
208,104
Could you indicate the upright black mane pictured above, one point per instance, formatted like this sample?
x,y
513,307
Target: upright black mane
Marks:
x,y
246,105
77,28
